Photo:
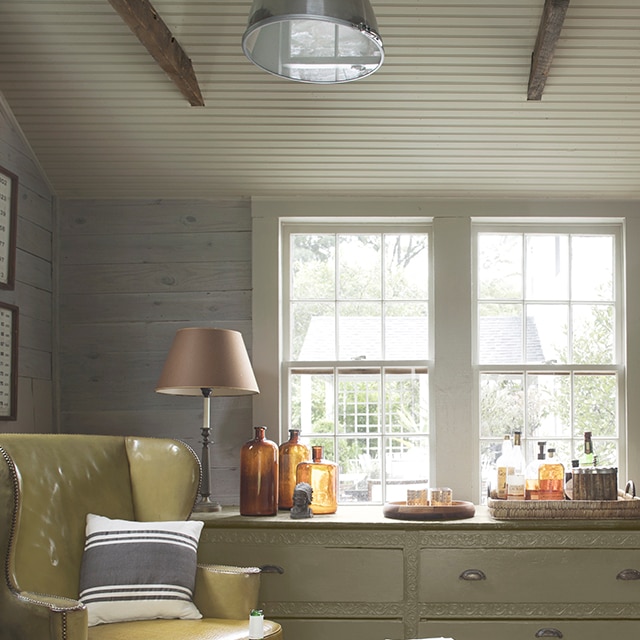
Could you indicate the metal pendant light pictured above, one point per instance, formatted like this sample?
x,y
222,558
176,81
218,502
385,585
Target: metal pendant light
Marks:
x,y
318,41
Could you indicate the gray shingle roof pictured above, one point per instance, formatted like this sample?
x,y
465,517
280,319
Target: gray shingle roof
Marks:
x,y
407,339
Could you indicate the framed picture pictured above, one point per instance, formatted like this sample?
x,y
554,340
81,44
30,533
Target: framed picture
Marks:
x,y
8,222
8,361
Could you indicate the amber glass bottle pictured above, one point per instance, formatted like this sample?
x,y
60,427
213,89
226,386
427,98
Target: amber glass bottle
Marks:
x,y
551,478
259,476
322,475
291,454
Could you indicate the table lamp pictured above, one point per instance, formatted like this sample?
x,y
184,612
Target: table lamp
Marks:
x,y
207,362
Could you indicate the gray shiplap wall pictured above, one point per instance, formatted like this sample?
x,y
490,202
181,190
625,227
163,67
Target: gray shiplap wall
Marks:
x,y
131,274
33,292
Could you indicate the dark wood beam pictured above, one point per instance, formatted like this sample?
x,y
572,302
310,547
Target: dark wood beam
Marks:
x,y
548,33
154,34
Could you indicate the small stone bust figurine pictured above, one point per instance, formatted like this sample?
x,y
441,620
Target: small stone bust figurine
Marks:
x,y
302,496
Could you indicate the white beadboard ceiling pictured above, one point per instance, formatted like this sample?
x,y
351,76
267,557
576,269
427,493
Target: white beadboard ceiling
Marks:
x,y
446,116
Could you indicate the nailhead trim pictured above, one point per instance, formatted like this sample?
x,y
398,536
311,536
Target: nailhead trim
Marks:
x,y
77,606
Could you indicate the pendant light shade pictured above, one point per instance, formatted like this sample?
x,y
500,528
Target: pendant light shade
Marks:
x,y
318,41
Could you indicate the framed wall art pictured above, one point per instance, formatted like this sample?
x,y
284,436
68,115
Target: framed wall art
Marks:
x,y
8,361
8,223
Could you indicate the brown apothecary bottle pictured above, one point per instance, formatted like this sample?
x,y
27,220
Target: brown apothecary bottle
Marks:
x,y
322,475
291,453
259,476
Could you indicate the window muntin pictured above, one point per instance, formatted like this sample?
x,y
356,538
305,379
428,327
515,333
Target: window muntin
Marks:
x,y
356,296
357,305
548,307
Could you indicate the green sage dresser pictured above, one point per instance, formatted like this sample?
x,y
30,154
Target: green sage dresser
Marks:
x,y
356,575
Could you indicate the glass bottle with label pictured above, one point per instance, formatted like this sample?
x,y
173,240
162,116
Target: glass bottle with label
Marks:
x,y
515,477
259,476
568,480
532,483
291,454
587,459
551,478
503,464
322,475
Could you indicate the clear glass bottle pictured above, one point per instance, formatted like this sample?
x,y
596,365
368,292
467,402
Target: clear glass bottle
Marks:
x,y
568,480
503,463
531,481
515,477
551,478
587,459
322,475
259,476
290,455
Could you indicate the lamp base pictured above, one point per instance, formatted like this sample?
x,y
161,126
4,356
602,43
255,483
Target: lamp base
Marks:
x,y
206,505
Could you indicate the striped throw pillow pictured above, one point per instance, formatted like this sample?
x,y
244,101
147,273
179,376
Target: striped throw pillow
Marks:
x,y
139,570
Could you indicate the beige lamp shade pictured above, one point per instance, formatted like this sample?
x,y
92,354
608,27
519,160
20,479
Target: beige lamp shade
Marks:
x,y
203,358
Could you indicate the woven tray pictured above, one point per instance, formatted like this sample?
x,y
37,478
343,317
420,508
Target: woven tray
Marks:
x,y
623,508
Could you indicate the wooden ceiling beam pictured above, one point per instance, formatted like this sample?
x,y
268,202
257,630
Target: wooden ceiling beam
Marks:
x,y
154,34
548,33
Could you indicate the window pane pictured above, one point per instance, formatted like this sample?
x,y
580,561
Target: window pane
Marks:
x,y
359,399
547,333
547,267
406,266
592,268
360,267
593,334
407,466
502,403
359,462
311,399
406,331
313,331
596,403
548,406
406,403
500,266
313,267
359,331
500,333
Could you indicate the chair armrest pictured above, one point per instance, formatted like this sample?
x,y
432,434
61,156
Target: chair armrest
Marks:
x,y
226,592
33,615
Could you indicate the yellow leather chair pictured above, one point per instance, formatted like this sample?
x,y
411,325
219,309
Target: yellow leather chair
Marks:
x,y
48,485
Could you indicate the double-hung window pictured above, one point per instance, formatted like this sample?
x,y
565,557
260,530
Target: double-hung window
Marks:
x,y
356,347
549,334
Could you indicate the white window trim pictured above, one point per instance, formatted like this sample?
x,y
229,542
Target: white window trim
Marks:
x,y
453,405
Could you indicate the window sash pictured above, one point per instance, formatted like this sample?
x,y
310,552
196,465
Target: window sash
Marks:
x,y
384,436
616,368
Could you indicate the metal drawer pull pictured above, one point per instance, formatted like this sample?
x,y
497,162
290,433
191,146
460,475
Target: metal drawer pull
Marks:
x,y
271,568
473,574
628,574
549,632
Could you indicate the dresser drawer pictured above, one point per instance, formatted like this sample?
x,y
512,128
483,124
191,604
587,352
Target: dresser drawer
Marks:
x,y
532,630
528,575
318,573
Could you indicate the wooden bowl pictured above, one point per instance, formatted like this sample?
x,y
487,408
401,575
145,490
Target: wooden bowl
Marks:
x,y
457,510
